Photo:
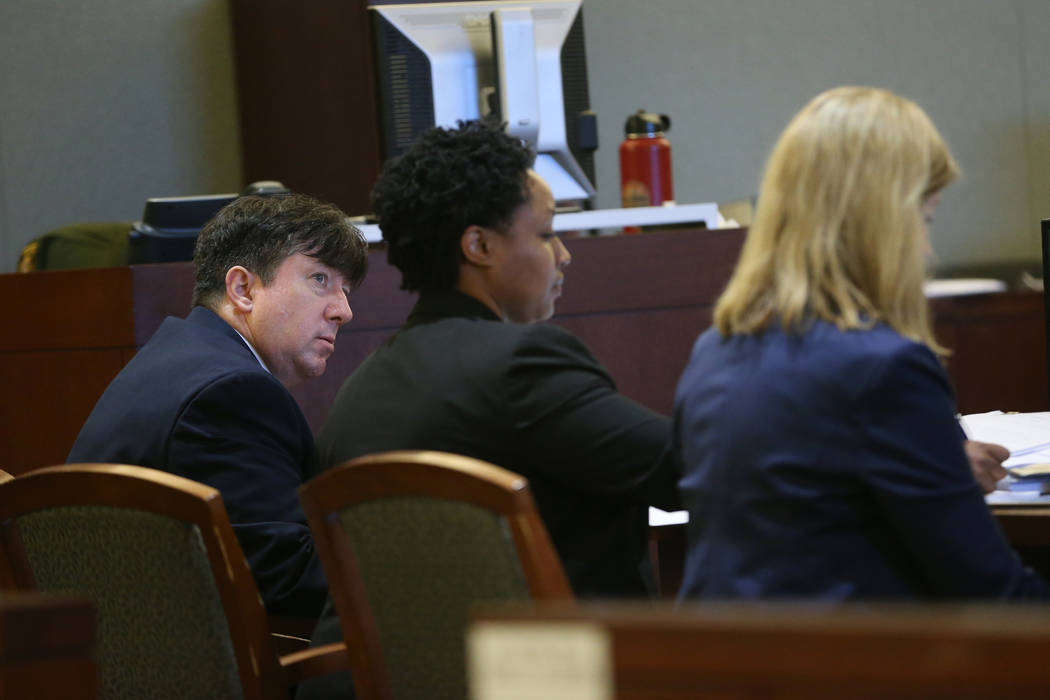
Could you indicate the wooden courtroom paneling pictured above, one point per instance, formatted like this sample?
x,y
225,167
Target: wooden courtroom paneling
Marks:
x,y
65,336
159,291
998,345
637,301
644,351
67,309
47,396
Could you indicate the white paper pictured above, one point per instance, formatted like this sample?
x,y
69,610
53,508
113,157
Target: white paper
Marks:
x,y
658,518
1024,434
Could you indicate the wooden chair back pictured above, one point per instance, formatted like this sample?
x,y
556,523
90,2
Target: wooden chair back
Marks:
x,y
178,607
409,540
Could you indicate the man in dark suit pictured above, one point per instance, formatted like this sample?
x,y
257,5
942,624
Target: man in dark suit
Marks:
x,y
468,224
206,398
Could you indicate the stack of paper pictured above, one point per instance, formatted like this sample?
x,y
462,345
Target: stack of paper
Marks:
x,y
1027,436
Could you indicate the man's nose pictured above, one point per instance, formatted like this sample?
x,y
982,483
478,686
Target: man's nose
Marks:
x,y
340,311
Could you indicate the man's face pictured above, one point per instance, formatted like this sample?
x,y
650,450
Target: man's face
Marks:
x,y
294,319
529,259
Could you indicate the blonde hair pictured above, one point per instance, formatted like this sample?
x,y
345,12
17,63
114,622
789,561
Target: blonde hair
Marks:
x,y
838,233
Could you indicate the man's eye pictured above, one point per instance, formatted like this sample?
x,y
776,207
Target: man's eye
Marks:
x,y
321,277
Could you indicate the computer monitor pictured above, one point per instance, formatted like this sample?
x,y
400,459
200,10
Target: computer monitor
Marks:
x,y
522,61
167,231
169,226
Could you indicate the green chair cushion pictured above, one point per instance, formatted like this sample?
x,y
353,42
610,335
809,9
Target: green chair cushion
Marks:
x,y
161,625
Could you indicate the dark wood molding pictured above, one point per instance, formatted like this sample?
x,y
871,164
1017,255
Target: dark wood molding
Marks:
x,y
306,97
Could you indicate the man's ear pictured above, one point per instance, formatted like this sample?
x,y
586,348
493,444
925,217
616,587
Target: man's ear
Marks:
x,y
240,288
475,245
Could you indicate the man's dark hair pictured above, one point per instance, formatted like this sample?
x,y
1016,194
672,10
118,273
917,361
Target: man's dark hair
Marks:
x,y
261,232
447,180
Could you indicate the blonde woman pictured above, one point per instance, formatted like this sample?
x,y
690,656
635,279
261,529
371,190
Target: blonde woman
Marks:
x,y
814,421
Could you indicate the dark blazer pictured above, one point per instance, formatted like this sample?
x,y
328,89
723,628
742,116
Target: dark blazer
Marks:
x,y
529,398
829,464
195,402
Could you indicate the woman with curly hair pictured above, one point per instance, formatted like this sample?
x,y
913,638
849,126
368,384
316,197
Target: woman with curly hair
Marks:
x,y
468,223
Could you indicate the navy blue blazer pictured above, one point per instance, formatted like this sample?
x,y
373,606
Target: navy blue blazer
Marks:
x,y
828,464
194,401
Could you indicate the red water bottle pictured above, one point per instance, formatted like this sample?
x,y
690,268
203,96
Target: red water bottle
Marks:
x,y
645,161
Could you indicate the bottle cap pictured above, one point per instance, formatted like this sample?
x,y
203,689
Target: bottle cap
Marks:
x,y
642,122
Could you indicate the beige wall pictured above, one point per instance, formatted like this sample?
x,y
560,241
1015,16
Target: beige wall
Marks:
x,y
105,103
731,73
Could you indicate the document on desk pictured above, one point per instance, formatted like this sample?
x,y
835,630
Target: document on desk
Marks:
x,y
1026,435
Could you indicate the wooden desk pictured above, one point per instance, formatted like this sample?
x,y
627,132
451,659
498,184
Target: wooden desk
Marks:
x,y
1025,526
711,650
47,647
637,301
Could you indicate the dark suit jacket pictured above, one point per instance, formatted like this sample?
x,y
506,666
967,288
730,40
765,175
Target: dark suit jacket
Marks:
x,y
829,465
529,398
195,402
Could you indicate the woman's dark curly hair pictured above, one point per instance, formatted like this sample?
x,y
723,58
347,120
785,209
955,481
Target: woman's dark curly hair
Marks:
x,y
448,179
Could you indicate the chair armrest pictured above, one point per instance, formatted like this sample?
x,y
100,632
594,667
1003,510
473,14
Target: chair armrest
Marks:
x,y
317,661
